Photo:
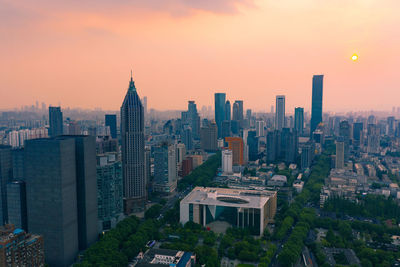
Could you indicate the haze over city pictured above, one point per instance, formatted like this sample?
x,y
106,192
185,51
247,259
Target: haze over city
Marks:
x,y
80,54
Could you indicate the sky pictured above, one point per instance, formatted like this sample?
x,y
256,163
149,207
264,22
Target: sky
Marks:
x,y
81,53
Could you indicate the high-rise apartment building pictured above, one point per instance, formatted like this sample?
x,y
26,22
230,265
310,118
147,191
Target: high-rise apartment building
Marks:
x,y
340,153
133,160
280,112
165,172
227,161
316,108
55,121
208,137
111,121
219,101
109,190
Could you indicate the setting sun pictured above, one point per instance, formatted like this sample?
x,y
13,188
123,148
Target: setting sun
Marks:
x,y
354,57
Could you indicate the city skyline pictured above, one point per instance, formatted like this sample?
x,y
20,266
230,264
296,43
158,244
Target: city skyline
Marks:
x,y
60,50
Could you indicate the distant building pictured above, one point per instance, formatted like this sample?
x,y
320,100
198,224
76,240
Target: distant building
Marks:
x,y
111,121
340,154
219,100
227,111
252,143
5,177
299,120
18,248
280,112
249,209
227,161
316,108
55,121
307,154
109,190
373,139
165,258
236,145
208,137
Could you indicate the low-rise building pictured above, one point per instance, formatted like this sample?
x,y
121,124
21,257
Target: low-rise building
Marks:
x,y
165,258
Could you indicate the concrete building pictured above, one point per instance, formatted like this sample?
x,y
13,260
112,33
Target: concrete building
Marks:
x,y
18,248
165,258
209,207
55,121
5,177
227,161
208,137
236,145
340,150
165,175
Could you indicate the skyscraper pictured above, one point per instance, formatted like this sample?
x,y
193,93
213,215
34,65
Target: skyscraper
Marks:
x,y
55,121
316,109
340,153
165,176
16,203
280,112
238,112
193,119
5,177
219,101
227,110
133,161
111,121
299,120
50,171
236,145
208,137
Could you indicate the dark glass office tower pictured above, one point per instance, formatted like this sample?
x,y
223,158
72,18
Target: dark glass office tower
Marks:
x,y
193,119
280,112
55,121
16,203
219,101
316,109
227,110
86,189
133,161
5,177
299,120
50,170
111,121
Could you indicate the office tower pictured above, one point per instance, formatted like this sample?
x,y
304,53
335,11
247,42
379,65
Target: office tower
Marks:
x,y
145,106
187,138
307,154
273,145
18,248
371,119
344,132
132,137
358,128
18,164
55,121
252,143
227,161
219,101
236,145
260,128
340,153
16,204
180,152
391,125
289,145
193,119
5,177
109,190
245,134
111,121
50,170
237,112
227,110
299,120
235,127
165,175
226,129
208,137
373,139
280,112
86,190
316,108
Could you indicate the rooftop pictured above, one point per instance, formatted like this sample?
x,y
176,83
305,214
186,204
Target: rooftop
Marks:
x,y
228,197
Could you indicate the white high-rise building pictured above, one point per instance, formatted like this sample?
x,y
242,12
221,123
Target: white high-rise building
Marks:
x,y
227,161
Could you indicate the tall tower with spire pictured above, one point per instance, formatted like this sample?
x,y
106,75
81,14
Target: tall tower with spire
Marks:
x,y
133,159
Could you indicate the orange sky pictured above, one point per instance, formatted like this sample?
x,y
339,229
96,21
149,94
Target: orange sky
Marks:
x,y
81,54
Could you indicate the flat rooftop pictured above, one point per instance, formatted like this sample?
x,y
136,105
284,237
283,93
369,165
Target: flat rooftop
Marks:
x,y
228,197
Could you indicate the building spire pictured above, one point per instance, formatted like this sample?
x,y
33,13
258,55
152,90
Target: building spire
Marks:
x,y
131,84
